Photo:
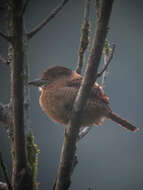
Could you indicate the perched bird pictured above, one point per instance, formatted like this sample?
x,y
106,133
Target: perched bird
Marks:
x,y
59,86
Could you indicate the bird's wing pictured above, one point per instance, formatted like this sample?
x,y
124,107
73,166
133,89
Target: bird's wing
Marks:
x,y
66,96
96,104
97,92
75,83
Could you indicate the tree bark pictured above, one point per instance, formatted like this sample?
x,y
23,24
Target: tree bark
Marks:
x,y
21,177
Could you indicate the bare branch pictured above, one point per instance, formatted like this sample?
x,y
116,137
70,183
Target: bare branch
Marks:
x,y
3,60
6,37
106,54
74,163
24,7
108,62
5,172
90,76
84,39
47,20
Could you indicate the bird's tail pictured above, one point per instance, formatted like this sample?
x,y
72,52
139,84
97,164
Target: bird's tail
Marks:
x,y
124,123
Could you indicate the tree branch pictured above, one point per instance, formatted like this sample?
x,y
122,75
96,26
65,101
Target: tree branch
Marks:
x,y
6,37
47,20
21,176
90,76
24,7
108,62
84,39
3,60
74,163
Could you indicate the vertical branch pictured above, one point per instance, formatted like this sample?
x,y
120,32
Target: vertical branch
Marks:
x,y
17,57
26,77
17,88
84,39
90,76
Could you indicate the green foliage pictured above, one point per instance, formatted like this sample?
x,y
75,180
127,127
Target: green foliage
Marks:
x,y
32,155
107,49
84,38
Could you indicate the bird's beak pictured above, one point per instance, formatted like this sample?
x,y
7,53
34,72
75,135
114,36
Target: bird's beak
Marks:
x,y
38,82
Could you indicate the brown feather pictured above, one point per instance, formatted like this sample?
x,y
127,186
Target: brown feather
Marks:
x,y
59,93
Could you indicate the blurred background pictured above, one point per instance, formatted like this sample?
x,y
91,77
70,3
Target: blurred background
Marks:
x,y
109,156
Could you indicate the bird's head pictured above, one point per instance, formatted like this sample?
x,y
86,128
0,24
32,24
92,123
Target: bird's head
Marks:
x,y
52,74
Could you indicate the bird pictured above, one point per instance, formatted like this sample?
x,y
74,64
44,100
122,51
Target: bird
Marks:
x,y
59,86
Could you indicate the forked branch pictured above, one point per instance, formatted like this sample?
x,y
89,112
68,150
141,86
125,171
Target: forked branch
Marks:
x,y
47,20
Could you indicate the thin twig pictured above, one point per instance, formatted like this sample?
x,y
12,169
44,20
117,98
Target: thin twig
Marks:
x,y
105,56
47,20
84,39
6,37
24,7
108,62
90,76
5,172
21,176
3,60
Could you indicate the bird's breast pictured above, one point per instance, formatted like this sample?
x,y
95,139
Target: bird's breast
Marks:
x,y
53,106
